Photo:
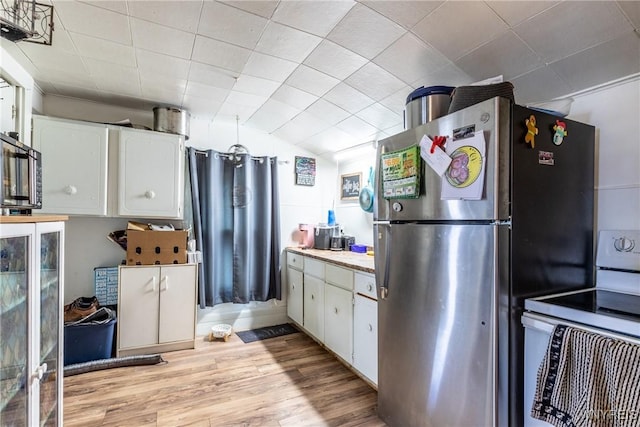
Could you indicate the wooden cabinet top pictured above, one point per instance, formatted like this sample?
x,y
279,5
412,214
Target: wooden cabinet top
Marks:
x,y
24,219
348,259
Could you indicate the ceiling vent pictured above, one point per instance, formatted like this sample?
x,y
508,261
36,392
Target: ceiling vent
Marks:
x,y
26,20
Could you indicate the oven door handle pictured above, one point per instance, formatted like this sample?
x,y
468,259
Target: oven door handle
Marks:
x,y
528,321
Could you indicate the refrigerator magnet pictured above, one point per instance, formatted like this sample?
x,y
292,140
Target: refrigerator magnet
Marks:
x,y
545,158
433,154
560,131
532,131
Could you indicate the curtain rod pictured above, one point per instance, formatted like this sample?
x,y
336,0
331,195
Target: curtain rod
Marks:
x,y
230,155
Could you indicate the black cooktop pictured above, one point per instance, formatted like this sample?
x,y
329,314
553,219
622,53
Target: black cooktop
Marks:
x,y
625,306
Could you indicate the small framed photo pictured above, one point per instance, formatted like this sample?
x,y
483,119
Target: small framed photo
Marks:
x,y
350,185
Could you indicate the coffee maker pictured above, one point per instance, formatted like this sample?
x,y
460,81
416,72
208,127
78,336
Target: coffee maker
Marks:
x,y
305,234
323,235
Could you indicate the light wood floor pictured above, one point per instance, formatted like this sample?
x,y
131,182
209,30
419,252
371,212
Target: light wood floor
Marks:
x,y
284,381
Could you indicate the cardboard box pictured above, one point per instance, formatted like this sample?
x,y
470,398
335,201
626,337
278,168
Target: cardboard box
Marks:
x,y
105,283
156,247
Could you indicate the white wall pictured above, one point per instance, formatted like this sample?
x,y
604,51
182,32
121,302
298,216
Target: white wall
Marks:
x,y
615,112
87,245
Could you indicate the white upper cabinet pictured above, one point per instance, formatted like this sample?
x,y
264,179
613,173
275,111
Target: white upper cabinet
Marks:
x,y
101,170
74,165
150,174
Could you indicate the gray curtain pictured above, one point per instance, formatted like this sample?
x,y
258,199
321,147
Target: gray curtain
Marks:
x,y
236,223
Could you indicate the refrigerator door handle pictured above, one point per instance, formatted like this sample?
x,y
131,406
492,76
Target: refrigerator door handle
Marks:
x,y
384,286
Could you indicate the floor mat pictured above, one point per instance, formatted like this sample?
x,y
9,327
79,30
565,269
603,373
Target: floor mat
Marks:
x,y
266,332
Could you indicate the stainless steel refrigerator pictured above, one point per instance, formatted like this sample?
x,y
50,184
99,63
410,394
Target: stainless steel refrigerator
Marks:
x,y
454,268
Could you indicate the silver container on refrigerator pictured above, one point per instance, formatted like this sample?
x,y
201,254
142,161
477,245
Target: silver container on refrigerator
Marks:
x,y
453,273
425,104
171,120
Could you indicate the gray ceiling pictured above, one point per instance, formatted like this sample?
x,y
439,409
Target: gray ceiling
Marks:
x,y
325,75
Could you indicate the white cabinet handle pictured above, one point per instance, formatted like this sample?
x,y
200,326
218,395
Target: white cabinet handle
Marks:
x,y
370,328
369,287
335,310
70,190
164,280
313,297
293,287
154,286
150,194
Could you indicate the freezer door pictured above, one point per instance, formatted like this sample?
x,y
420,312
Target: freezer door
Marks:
x,y
437,325
490,117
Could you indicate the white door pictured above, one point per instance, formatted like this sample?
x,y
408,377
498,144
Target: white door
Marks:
x,y
74,166
338,321
365,337
295,297
177,303
138,306
314,306
150,174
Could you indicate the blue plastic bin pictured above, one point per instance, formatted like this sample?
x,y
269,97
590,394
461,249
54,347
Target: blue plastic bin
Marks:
x,y
87,342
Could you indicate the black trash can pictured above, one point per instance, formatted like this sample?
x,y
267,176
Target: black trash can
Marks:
x,y
90,338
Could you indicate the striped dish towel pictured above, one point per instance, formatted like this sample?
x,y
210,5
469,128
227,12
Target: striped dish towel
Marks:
x,y
587,379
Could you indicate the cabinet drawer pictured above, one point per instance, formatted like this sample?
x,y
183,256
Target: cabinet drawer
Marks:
x,y
339,276
295,260
314,268
366,285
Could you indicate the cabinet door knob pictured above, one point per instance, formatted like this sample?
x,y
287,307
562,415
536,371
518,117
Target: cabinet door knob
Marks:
x,y
369,287
335,310
370,327
312,296
70,190
150,194
40,370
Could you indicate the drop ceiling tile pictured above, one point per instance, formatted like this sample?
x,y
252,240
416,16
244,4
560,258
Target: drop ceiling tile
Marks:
x,y
410,58
174,42
205,108
374,81
60,39
374,32
262,8
405,13
41,57
286,43
81,78
199,90
104,50
572,26
327,111
315,17
380,116
246,99
103,24
112,5
182,15
157,89
295,97
334,60
458,27
269,67
152,62
312,81
220,54
271,115
632,10
449,75
213,76
46,87
112,73
356,127
301,127
514,12
230,111
255,85
394,130
79,92
619,58
539,85
506,55
331,140
231,25
348,98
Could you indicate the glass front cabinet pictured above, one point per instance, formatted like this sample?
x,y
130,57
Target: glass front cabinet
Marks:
x,y
31,286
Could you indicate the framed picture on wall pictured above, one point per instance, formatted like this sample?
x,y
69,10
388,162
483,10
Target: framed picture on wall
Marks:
x,y
350,185
305,171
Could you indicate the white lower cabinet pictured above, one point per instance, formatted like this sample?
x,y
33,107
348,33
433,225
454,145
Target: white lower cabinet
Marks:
x,y
295,297
314,306
157,308
365,337
338,321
